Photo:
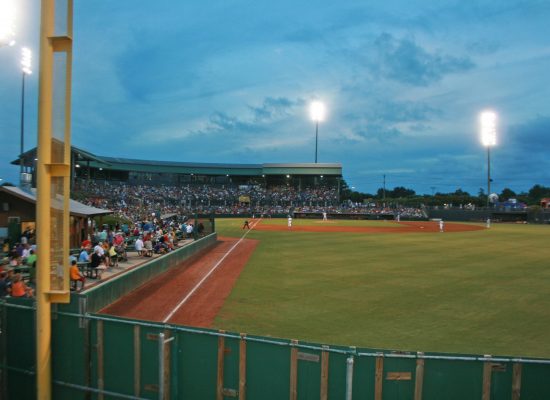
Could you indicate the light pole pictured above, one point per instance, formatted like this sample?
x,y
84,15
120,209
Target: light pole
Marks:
x,y
488,122
26,57
317,112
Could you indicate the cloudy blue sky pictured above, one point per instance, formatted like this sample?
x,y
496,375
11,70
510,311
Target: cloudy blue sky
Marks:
x,y
230,81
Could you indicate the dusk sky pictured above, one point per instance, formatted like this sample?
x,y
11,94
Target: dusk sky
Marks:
x,y
231,81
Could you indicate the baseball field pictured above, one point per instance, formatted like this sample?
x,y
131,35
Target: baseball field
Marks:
x,y
395,286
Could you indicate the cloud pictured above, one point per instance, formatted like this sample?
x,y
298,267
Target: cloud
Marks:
x,y
223,122
274,108
406,62
483,47
532,136
403,111
379,132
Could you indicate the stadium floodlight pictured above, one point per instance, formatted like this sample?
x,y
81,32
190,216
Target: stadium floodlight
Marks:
x,y
7,23
488,122
26,58
317,111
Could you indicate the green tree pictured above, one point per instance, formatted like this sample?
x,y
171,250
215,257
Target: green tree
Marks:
x,y
537,192
400,191
506,194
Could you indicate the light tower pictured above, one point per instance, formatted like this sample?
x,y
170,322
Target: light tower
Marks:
x,y
26,58
488,123
317,112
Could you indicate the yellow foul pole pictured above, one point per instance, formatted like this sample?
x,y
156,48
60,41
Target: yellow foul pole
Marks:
x,y
43,306
53,166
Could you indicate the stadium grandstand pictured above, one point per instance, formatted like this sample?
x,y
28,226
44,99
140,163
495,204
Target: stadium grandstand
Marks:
x,y
135,189
87,167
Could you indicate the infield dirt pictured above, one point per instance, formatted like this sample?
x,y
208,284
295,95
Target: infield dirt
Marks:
x,y
402,227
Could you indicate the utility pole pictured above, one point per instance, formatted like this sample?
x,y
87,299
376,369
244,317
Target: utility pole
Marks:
x,y
384,190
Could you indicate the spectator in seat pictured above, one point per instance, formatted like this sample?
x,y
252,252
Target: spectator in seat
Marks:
x,y
95,263
139,246
19,288
76,276
84,256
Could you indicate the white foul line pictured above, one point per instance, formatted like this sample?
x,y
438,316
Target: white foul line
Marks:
x,y
181,303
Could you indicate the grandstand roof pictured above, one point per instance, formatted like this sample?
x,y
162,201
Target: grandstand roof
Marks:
x,y
76,208
130,164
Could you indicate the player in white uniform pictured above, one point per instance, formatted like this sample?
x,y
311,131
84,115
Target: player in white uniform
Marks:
x,y
441,226
289,222
324,215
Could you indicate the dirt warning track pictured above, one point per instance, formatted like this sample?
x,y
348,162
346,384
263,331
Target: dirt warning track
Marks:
x,y
193,292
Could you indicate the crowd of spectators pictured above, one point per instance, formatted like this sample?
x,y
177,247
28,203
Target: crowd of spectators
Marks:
x,y
20,257
139,202
136,202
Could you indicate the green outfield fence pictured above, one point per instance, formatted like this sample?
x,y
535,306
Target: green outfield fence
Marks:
x,y
95,356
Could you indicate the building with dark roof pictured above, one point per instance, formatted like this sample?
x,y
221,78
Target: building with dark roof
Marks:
x,y
86,166
18,212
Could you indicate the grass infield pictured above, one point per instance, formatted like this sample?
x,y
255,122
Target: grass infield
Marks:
x,y
482,292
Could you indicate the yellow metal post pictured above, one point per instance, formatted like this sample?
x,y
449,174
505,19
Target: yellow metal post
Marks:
x,y
43,307
53,166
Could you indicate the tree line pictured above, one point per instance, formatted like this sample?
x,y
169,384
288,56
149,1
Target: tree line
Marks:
x,y
406,196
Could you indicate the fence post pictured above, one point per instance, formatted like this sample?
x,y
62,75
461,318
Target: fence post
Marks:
x,y
164,372
324,373
378,377
293,370
516,381
487,373
100,382
419,377
3,351
137,361
221,354
242,367
349,378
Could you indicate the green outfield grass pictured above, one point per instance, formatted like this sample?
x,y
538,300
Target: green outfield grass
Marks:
x,y
482,292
